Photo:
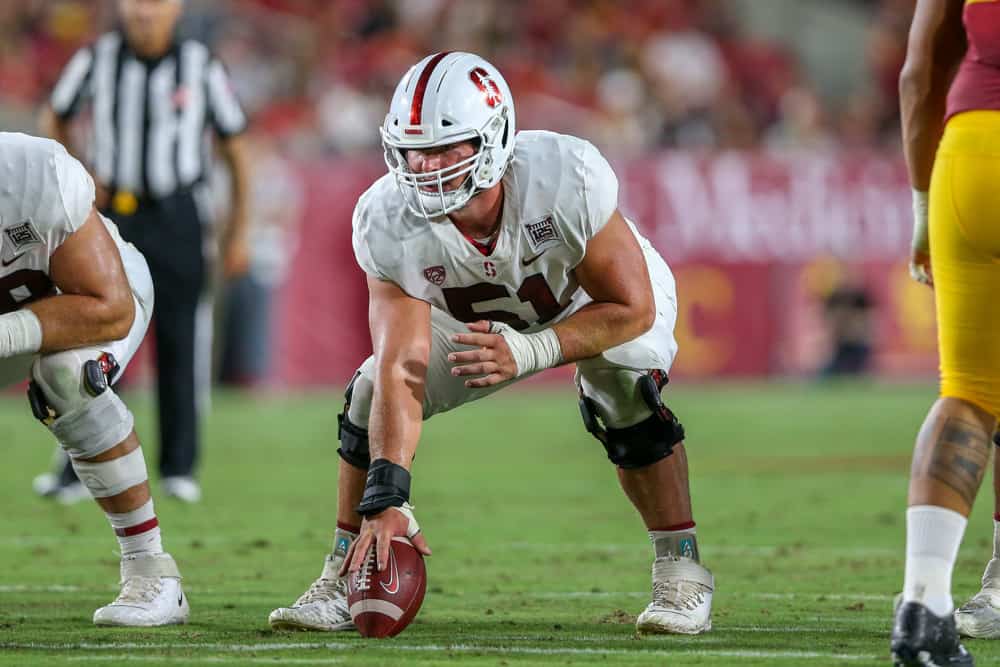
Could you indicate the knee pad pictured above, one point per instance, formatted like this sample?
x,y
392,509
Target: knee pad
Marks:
x,y
641,444
109,478
69,393
353,439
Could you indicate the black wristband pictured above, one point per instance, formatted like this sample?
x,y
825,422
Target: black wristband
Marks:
x,y
388,485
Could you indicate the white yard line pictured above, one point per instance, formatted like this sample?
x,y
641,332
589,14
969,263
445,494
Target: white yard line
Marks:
x,y
433,648
560,595
542,595
708,550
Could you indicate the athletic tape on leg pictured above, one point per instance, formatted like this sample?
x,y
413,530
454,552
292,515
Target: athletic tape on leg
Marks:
x,y
95,427
109,478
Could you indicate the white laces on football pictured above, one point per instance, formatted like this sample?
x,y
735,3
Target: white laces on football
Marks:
x,y
362,580
679,594
138,590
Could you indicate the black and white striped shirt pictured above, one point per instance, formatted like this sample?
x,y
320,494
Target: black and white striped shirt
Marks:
x,y
149,116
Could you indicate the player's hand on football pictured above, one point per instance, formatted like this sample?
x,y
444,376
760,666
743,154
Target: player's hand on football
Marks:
x,y
381,528
491,361
920,267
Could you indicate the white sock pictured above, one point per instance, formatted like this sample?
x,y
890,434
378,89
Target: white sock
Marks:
x,y
996,539
137,531
933,535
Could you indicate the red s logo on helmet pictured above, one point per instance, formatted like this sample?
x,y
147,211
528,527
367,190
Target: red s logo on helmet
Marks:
x,y
488,86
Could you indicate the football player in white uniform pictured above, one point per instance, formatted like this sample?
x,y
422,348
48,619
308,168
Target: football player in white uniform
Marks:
x,y
75,301
491,257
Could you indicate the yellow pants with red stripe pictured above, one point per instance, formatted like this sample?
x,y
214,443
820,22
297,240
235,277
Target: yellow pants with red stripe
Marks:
x,y
965,257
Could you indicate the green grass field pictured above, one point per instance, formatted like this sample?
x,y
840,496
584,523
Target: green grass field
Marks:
x,y
799,495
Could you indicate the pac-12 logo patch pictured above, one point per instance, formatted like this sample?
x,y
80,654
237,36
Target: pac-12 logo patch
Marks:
x,y
435,274
485,83
23,235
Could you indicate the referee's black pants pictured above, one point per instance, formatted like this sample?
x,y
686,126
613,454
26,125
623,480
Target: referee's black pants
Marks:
x,y
170,234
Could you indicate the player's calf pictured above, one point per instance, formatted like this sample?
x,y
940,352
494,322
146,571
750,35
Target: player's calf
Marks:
x,y
648,469
69,393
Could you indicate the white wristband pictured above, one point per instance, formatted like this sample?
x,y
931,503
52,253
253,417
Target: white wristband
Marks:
x,y
921,240
532,352
20,333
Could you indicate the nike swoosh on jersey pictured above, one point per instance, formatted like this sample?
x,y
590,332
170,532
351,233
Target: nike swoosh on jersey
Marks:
x,y
528,260
14,259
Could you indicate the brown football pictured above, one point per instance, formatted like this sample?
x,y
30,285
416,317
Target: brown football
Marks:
x,y
383,603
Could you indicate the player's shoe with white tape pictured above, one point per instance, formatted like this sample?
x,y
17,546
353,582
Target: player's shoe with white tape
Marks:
x,y
682,599
151,594
980,616
322,607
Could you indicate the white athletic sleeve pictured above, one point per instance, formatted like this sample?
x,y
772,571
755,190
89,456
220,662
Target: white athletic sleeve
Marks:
x,y
600,190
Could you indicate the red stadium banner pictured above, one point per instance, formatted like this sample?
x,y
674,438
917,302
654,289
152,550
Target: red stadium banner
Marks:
x,y
757,242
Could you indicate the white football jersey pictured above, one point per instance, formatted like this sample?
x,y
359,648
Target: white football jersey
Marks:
x,y
559,191
45,196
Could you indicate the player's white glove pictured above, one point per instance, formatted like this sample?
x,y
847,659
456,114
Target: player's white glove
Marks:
x,y
920,243
20,333
532,352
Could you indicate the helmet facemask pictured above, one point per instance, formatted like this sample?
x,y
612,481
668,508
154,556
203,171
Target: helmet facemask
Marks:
x,y
425,193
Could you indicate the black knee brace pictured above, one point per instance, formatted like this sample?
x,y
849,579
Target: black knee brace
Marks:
x,y
641,444
353,439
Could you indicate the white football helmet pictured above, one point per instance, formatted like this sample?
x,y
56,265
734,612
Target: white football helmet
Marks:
x,y
444,99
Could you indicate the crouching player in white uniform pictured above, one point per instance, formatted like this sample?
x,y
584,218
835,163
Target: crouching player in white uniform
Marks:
x,y
75,301
489,259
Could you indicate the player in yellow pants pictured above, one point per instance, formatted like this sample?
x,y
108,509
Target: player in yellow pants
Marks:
x,y
965,237
965,242
951,82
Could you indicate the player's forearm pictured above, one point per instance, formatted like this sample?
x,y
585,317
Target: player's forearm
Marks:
x,y
69,320
922,96
599,326
397,412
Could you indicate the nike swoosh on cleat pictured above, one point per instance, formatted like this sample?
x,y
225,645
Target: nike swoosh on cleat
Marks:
x,y
6,263
180,600
528,260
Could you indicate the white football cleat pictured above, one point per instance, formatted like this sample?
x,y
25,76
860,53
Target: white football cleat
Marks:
x,y
323,607
682,599
182,487
980,616
46,484
151,594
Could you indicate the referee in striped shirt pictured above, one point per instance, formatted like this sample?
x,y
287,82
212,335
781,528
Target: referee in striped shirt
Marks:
x,y
153,96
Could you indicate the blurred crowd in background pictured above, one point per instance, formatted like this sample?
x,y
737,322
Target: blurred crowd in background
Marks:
x,y
631,76
636,77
